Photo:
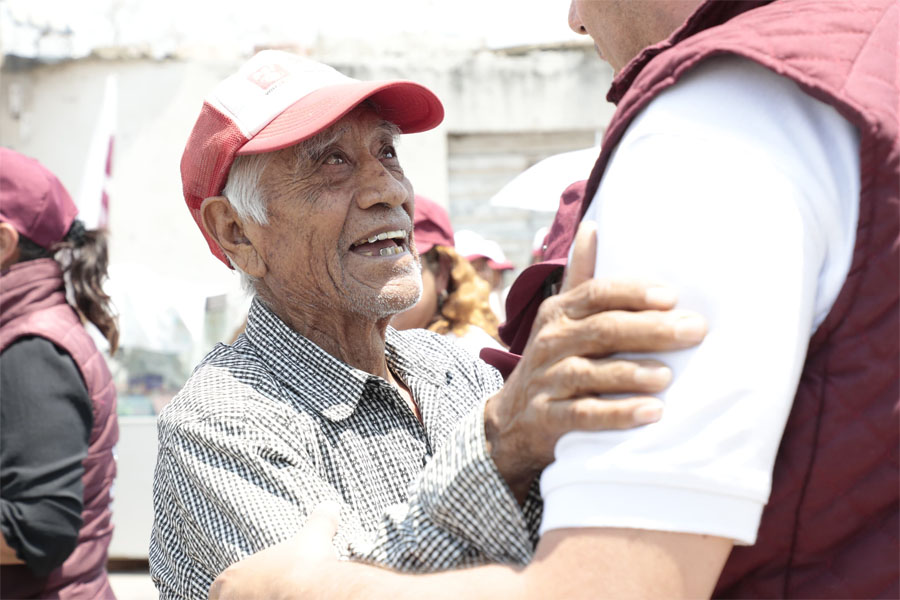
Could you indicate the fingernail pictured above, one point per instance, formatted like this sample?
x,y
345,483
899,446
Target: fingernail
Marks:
x,y
661,296
652,376
648,413
690,328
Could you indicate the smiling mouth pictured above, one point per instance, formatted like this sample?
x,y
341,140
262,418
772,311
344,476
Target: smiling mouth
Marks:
x,y
386,243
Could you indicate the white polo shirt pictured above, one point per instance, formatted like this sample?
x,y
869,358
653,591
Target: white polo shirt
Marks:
x,y
741,192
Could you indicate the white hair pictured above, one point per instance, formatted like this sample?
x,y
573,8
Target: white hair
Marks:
x,y
245,194
243,190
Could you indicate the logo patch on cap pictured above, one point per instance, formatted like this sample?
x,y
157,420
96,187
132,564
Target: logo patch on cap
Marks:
x,y
267,76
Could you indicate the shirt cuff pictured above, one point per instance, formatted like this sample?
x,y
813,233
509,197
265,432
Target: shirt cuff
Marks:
x,y
464,493
650,506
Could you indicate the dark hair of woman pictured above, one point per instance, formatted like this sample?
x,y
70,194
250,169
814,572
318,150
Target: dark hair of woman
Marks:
x,y
466,300
84,259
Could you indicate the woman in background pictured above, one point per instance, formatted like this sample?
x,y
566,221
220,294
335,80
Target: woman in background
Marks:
x,y
454,298
58,420
489,261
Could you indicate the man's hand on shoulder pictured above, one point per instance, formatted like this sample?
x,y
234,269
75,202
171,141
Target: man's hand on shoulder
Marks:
x,y
567,367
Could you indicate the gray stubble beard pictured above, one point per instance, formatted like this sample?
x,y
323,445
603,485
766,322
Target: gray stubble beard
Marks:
x,y
389,303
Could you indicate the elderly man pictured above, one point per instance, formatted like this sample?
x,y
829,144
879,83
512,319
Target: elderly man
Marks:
x,y
292,174
753,161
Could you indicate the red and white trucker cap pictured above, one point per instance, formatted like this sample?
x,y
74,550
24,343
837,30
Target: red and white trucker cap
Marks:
x,y
276,100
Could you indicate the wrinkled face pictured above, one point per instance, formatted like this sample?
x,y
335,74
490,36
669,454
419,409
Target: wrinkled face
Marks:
x,y
337,242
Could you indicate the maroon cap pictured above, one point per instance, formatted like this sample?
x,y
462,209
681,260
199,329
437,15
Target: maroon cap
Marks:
x,y
431,225
33,200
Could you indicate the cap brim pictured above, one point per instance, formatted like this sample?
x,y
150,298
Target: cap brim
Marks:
x,y
410,106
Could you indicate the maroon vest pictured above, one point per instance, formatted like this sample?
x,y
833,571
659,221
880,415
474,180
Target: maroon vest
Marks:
x,y
33,303
830,529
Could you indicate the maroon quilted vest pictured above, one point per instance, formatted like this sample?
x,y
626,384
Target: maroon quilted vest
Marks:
x,y
33,303
830,529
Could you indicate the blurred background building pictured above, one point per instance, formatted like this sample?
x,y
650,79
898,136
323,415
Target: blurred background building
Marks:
x,y
105,92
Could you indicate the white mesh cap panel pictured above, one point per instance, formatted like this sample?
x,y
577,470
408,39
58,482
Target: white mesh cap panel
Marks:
x,y
268,84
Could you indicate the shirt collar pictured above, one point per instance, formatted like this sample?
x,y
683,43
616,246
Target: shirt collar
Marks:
x,y
322,382
406,357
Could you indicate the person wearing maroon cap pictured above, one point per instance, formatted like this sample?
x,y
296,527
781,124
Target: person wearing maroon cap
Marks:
x,y
58,413
455,300
490,263
753,163
292,175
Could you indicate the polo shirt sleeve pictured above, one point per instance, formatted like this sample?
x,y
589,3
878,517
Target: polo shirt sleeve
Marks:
x,y
740,192
45,423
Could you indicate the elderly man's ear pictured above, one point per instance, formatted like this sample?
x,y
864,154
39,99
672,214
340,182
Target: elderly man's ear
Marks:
x,y
226,227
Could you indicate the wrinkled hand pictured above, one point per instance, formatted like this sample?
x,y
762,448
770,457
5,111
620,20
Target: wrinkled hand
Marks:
x,y
565,370
288,569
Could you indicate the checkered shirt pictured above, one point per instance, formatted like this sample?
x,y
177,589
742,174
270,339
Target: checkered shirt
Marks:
x,y
269,427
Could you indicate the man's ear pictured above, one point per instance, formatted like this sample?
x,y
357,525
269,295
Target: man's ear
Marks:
x,y
9,245
226,227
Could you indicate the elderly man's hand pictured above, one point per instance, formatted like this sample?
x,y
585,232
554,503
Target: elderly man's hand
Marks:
x,y
559,384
